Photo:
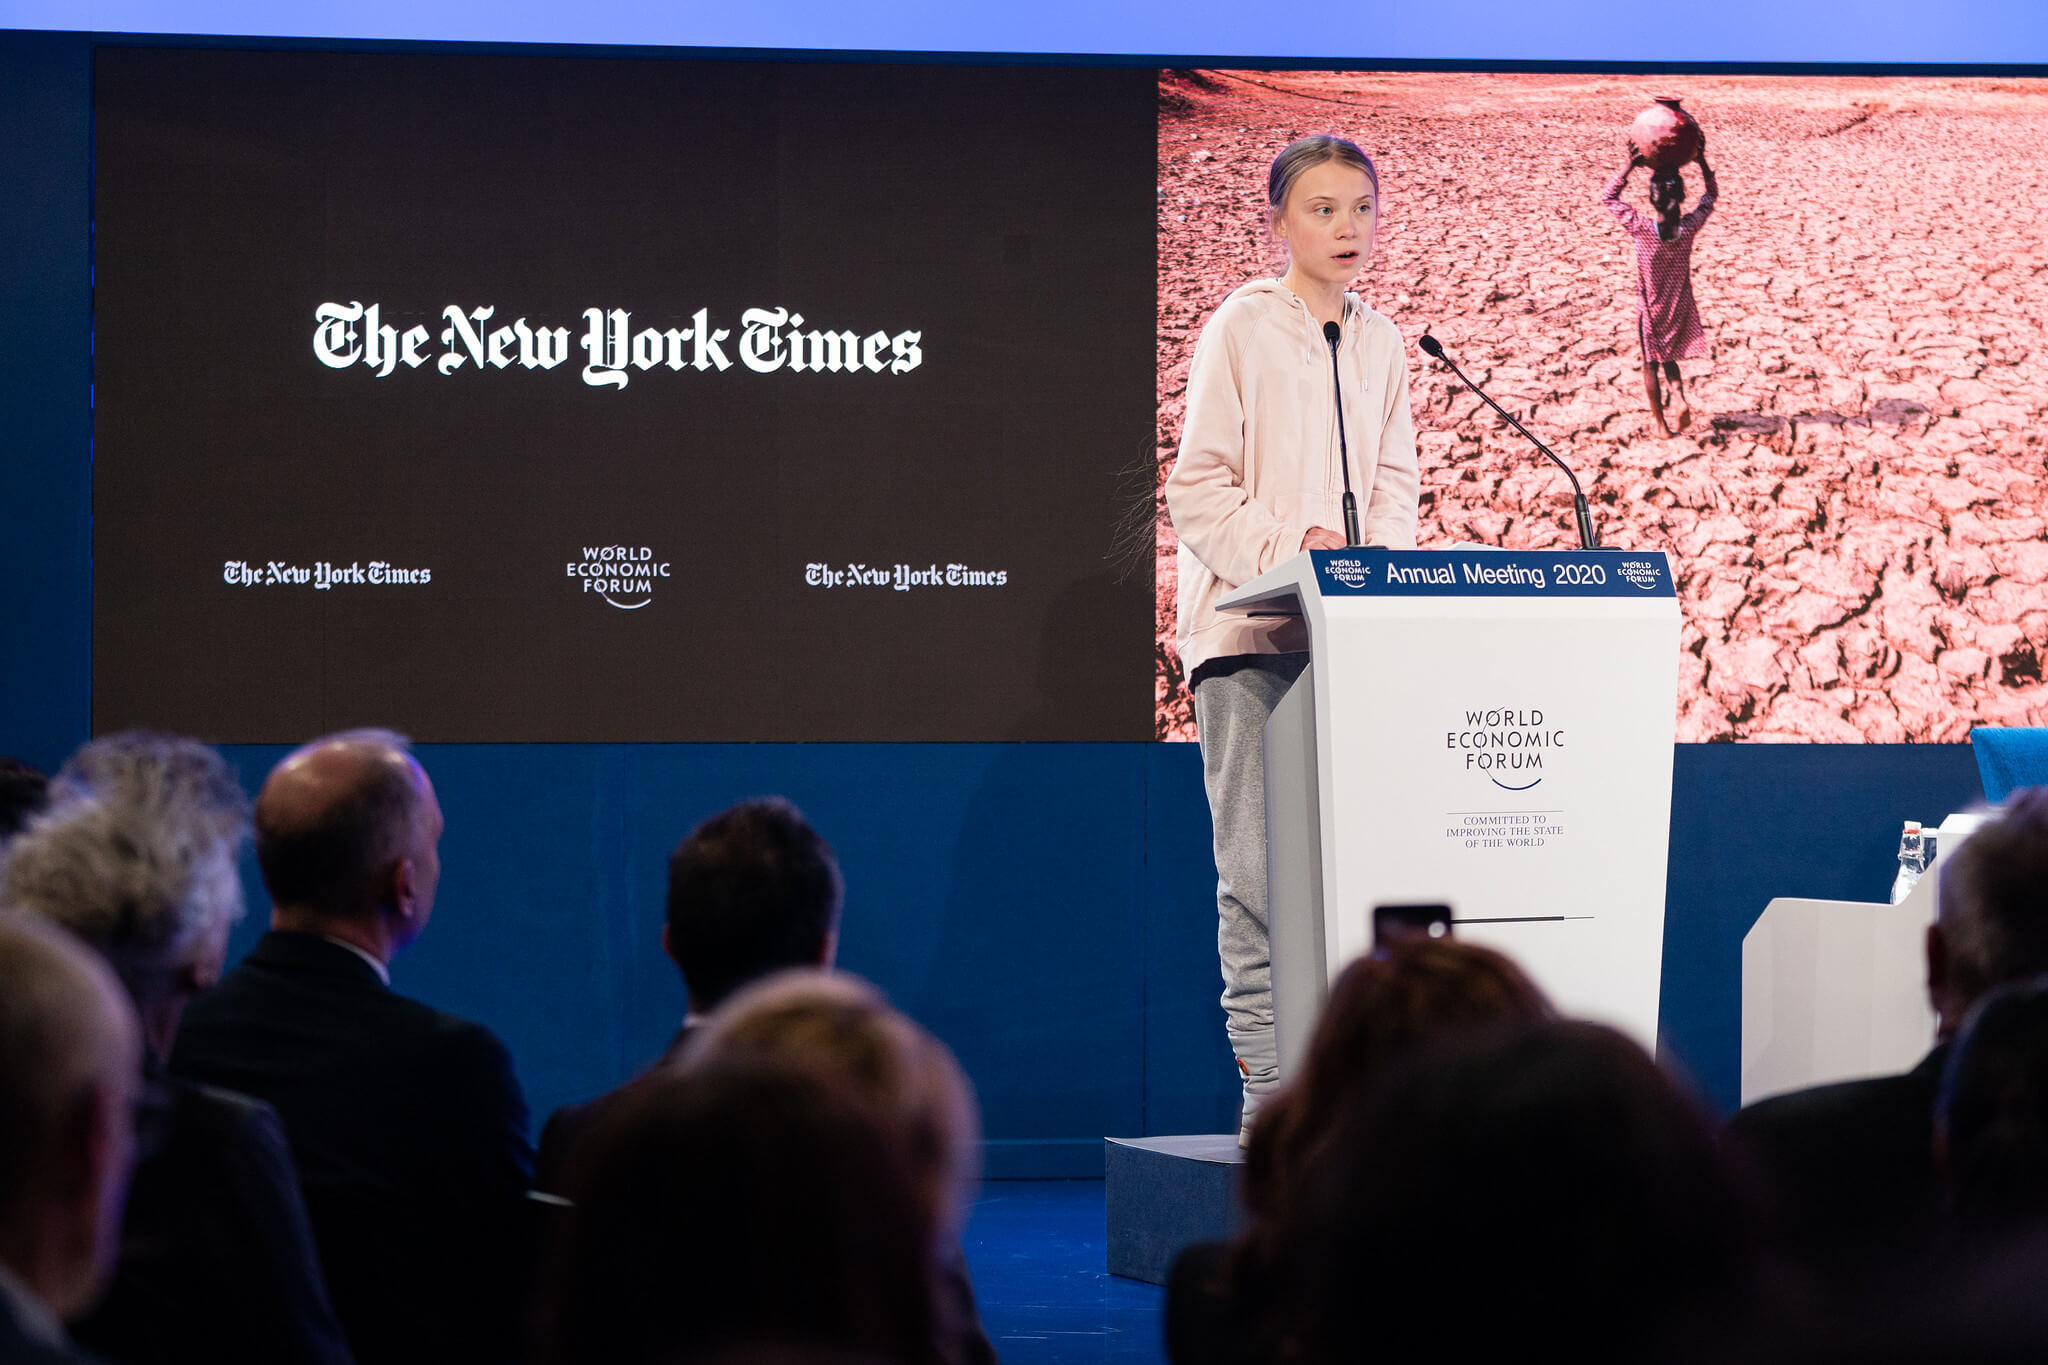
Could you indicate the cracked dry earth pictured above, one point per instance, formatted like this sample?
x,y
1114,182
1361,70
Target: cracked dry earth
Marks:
x,y
1855,515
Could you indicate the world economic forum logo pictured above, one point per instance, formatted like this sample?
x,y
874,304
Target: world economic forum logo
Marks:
x,y
621,576
1352,573
1640,573
1508,745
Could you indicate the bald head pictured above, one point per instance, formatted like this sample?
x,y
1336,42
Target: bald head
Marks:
x,y
346,828
70,1068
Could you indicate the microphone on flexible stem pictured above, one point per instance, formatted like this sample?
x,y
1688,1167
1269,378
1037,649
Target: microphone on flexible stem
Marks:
x,y
1588,539
1331,334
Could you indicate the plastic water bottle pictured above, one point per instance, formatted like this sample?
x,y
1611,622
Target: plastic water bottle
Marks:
x,y
1912,861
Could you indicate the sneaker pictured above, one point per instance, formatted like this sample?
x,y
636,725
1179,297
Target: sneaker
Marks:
x,y
1258,1085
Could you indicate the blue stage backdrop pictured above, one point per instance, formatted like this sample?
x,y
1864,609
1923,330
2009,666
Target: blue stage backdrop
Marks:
x,y
1047,908
1476,30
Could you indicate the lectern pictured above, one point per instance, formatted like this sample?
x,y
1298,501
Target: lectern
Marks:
x,y
1490,729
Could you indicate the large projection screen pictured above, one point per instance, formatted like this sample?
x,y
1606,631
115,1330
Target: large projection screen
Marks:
x,y
1855,513
507,399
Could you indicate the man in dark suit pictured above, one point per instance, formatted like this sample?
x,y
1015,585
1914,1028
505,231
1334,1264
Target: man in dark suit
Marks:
x,y
752,891
70,1068
1848,1169
408,1124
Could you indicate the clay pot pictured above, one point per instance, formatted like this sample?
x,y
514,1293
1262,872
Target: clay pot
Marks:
x,y
1665,135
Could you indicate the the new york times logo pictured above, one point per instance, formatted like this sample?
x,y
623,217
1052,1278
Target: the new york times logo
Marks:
x,y
615,572
352,334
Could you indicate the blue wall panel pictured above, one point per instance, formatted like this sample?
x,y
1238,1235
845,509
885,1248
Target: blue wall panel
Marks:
x,y
1190,1081
45,394
995,891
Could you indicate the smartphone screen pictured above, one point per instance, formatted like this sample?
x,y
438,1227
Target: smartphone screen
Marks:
x,y
1393,923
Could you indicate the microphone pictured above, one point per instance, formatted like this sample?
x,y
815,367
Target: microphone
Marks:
x,y
1331,335
1588,538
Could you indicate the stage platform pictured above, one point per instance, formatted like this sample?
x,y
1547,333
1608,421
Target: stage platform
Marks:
x,y
1036,1251
1164,1193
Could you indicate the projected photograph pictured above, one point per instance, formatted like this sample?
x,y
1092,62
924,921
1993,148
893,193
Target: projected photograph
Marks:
x,y
569,400
1801,346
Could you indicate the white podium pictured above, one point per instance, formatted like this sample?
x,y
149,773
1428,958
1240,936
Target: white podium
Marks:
x,y
1489,729
1837,990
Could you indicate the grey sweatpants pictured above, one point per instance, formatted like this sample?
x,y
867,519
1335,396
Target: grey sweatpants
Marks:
x,y
1230,716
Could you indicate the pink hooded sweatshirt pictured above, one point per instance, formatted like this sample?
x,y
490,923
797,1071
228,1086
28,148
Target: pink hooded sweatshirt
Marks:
x,y
1258,462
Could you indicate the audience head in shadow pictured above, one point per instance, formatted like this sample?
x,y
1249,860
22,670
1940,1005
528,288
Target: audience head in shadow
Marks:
x,y
724,1206
1547,1190
751,891
1381,1009
70,1067
1991,1124
842,1027
137,857
1992,920
1976,1299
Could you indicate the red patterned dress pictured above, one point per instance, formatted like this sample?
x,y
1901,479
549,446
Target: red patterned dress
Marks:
x,y
1665,316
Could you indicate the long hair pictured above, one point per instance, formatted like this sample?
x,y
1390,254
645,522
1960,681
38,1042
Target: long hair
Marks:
x,y
1543,1191
1382,1008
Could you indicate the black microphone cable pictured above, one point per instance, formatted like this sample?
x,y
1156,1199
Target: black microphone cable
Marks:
x,y
1331,334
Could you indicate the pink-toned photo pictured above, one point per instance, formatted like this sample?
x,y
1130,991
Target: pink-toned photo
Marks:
x,y
1792,331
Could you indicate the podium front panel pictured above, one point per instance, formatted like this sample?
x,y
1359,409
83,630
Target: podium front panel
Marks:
x,y
1494,731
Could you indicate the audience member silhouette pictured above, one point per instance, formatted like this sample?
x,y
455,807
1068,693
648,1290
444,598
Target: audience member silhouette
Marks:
x,y
23,792
1382,1008
408,1124
842,1026
1847,1169
70,1069
730,1208
1454,1173
1543,1193
1991,1117
752,891
138,859
1976,1299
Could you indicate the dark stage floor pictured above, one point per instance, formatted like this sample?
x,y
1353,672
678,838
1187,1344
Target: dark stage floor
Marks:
x,y
1036,1248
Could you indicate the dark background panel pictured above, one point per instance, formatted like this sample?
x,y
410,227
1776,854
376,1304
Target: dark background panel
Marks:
x,y
1003,214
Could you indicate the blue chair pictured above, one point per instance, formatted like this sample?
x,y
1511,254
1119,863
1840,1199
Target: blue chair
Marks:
x,y
2010,758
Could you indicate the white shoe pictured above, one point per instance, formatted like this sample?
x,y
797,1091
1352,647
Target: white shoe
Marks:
x,y
1258,1086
